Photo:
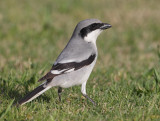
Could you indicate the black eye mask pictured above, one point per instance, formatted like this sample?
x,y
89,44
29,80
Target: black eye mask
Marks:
x,y
90,28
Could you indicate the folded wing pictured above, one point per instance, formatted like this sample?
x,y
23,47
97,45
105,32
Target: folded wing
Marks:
x,y
63,68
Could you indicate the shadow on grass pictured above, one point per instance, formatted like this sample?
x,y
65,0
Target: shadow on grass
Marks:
x,y
17,90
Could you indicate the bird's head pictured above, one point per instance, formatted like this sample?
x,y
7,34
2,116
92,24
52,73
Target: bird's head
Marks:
x,y
90,29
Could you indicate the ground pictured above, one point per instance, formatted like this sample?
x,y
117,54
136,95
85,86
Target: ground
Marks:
x,y
125,82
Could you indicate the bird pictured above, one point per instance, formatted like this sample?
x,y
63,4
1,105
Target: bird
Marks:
x,y
75,63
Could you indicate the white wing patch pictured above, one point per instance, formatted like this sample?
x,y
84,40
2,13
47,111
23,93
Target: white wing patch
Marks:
x,y
62,71
70,70
57,71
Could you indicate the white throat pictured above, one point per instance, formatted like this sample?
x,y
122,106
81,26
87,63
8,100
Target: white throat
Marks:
x,y
92,36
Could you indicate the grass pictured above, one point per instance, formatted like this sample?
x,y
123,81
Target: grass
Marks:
x,y
125,82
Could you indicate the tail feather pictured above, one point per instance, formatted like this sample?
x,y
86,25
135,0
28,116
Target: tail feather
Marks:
x,y
33,94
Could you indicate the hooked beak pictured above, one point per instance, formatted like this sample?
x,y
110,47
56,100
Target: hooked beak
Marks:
x,y
105,26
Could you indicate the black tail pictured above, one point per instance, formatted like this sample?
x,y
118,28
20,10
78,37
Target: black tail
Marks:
x,y
33,94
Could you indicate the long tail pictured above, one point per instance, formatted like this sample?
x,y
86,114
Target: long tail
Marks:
x,y
33,94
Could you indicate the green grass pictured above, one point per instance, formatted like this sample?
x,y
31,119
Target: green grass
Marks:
x,y
125,82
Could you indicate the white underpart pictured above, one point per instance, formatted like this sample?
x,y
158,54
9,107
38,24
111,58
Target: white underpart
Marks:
x,y
37,94
83,88
92,36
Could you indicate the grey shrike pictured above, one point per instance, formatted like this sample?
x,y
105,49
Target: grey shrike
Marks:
x,y
75,63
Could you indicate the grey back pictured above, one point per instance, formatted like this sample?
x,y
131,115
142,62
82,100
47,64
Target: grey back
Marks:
x,y
77,49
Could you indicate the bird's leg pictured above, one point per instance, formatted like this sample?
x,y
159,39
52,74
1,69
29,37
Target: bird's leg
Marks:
x,y
86,96
59,93
83,90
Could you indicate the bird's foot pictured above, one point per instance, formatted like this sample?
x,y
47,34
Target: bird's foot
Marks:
x,y
86,96
59,93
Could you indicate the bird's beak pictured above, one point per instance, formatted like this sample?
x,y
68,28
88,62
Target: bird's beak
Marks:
x,y
105,26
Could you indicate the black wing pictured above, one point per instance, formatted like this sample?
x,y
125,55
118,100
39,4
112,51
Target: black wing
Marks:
x,y
61,68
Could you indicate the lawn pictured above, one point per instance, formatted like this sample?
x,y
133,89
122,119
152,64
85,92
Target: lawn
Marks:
x,y
125,82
